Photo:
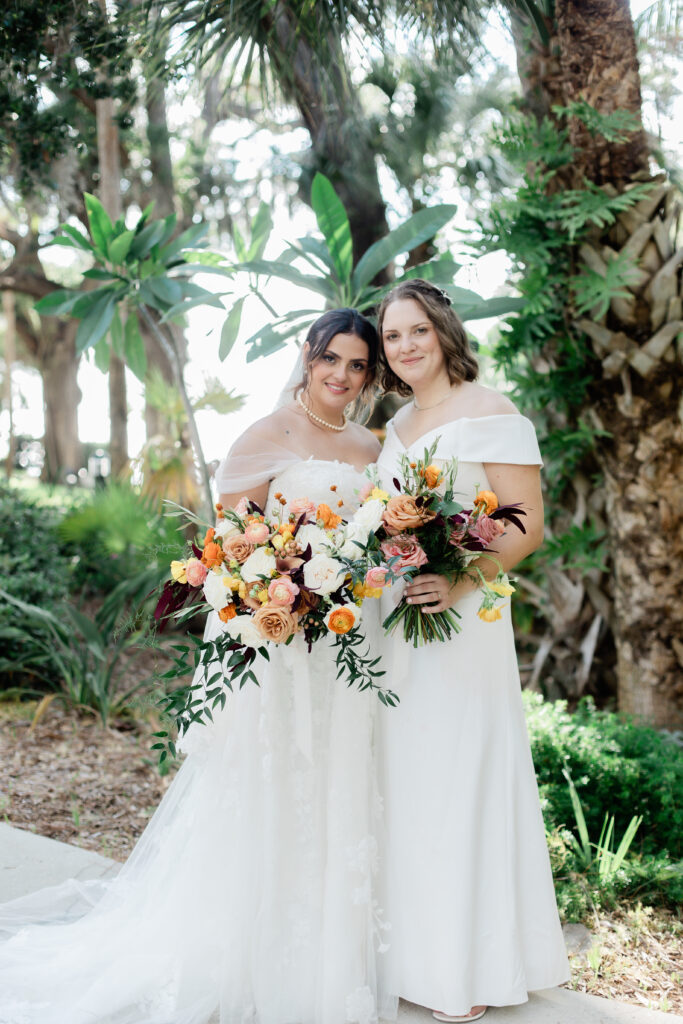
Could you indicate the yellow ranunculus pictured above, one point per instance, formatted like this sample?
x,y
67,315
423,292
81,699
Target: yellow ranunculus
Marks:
x,y
233,582
263,596
502,589
491,614
378,494
278,543
178,571
242,589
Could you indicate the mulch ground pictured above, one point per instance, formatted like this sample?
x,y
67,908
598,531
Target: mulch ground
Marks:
x,y
69,779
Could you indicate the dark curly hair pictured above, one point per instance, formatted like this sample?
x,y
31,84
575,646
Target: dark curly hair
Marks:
x,y
460,360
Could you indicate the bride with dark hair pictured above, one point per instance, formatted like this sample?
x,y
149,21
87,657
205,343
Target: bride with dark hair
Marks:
x,y
250,897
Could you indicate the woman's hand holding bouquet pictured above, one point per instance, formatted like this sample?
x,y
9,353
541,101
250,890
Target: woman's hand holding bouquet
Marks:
x,y
424,529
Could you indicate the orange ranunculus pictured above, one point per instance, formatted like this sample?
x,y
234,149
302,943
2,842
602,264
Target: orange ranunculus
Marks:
x,y
432,475
404,513
329,519
229,612
210,534
213,554
487,499
341,620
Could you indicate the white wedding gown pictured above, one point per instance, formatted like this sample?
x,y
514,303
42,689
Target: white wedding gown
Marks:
x,y
469,888
250,897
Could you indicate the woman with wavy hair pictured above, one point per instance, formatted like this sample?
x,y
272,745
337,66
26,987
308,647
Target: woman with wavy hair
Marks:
x,y
469,890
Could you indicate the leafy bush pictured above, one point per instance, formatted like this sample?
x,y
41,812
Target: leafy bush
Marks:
x,y
619,767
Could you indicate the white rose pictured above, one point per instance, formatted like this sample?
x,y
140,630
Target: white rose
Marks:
x,y
354,532
323,574
226,528
369,515
215,589
313,535
260,563
242,629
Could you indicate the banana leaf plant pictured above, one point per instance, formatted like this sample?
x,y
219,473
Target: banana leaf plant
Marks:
x,y
324,266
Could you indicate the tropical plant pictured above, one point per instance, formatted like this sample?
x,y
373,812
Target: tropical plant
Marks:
x,y
600,856
142,273
76,656
329,270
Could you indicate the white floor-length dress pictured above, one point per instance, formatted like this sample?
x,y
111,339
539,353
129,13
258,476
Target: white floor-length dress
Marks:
x,y
469,890
250,897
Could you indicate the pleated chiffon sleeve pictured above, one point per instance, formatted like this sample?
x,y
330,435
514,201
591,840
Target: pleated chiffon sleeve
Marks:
x,y
509,439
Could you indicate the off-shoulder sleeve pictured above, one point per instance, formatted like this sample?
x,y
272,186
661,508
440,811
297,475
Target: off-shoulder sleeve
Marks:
x,y
499,439
252,461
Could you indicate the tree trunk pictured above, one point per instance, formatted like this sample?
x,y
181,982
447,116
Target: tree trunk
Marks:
x,y
10,355
640,395
335,123
58,364
110,196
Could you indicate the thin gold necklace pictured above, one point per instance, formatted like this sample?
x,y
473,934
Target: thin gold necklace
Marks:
x,y
319,419
424,408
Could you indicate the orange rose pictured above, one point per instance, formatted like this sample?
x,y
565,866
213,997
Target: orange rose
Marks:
x,y
487,499
229,612
432,475
329,518
238,548
403,513
274,622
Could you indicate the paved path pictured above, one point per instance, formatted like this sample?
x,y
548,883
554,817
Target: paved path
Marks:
x,y
29,862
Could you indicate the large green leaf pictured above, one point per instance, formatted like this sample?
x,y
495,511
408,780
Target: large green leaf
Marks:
x,y
275,268
261,227
134,347
186,240
61,301
119,247
101,227
116,335
145,240
275,335
102,355
230,330
334,224
422,226
500,305
166,290
73,238
97,320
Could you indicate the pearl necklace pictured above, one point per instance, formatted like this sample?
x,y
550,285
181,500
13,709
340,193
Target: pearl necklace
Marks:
x,y
424,408
319,419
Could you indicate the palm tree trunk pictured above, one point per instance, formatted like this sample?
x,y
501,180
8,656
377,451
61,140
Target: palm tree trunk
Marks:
x,y
10,349
58,364
639,397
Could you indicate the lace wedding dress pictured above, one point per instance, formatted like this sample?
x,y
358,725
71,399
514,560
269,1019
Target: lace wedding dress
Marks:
x,y
469,887
250,897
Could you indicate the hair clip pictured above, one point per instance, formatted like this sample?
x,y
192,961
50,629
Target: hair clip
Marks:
x,y
446,296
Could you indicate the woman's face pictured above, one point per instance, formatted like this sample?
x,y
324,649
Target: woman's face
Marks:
x,y
337,376
411,344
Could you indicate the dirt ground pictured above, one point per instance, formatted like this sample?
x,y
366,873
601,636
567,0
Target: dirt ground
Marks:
x,y
69,779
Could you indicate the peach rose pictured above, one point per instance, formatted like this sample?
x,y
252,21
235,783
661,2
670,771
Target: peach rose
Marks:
x,y
303,507
376,577
282,591
238,548
256,533
406,549
403,513
196,572
487,529
275,623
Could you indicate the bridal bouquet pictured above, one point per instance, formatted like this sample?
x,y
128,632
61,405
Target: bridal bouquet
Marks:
x,y
270,579
424,528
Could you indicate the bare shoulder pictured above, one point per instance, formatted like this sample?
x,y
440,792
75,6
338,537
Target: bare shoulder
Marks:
x,y
483,401
268,428
365,440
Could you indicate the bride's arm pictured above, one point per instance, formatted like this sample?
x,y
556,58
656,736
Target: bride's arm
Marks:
x,y
259,495
511,484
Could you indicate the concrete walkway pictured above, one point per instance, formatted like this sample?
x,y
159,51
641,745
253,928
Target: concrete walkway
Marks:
x,y
29,862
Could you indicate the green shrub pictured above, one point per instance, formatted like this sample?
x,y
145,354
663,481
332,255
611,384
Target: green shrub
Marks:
x,y
619,767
